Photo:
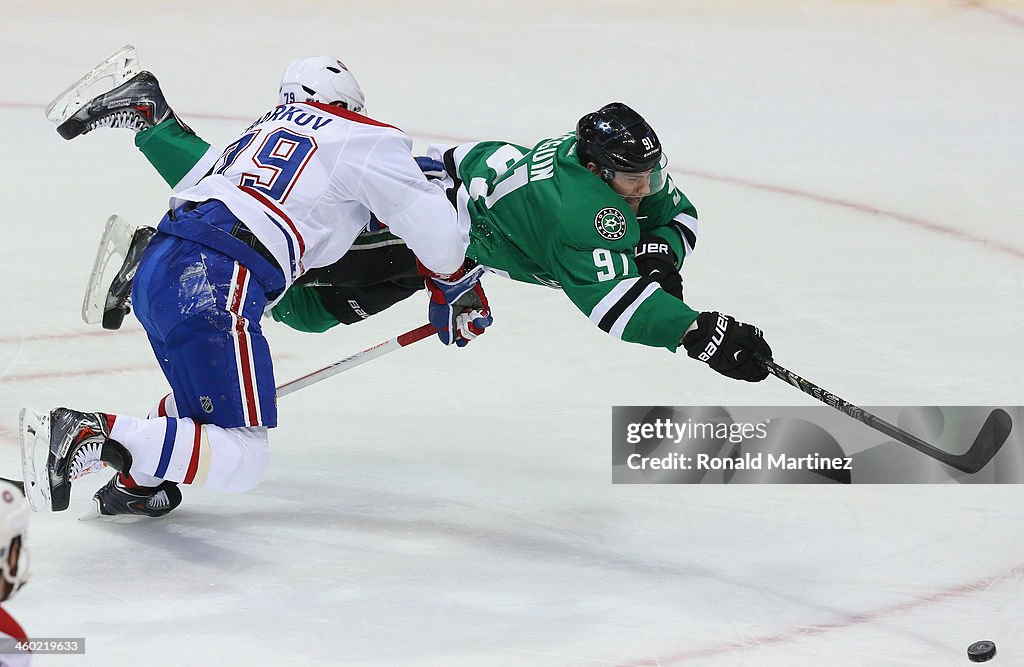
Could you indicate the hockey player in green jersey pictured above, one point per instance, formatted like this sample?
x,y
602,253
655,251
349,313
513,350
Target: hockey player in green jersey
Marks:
x,y
591,212
571,212
594,213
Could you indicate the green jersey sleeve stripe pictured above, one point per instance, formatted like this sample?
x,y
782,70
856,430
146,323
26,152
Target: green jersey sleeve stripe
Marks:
x,y
687,226
623,321
610,299
614,311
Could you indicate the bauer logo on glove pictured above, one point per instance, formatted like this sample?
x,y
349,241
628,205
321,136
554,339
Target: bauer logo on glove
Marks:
x,y
654,257
727,346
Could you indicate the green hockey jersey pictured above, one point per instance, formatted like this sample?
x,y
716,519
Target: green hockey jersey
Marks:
x,y
539,216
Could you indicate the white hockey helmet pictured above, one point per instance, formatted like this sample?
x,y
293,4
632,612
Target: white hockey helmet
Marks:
x,y
13,532
321,79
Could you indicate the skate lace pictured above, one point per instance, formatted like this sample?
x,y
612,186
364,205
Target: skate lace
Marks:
x,y
126,118
86,460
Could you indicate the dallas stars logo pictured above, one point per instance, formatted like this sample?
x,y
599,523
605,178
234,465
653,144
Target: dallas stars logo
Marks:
x,y
610,224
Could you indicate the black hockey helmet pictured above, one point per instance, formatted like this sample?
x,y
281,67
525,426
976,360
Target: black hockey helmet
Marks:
x,y
616,138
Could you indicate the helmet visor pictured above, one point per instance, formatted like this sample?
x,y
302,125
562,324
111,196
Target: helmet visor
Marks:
x,y
641,183
659,175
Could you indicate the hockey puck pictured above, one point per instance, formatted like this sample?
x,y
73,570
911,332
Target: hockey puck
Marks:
x,y
982,651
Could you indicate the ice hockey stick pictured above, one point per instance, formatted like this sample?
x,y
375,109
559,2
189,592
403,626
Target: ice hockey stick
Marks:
x,y
353,360
990,439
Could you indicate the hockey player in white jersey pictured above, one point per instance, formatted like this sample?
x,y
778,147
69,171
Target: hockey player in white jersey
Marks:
x,y
379,270
290,193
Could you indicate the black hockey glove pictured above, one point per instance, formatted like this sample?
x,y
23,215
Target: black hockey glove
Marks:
x,y
655,258
728,346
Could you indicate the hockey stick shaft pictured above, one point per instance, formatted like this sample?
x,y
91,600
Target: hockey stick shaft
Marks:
x,y
357,359
993,433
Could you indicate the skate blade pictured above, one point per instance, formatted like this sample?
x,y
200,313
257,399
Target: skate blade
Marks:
x,y
116,240
93,514
115,70
34,428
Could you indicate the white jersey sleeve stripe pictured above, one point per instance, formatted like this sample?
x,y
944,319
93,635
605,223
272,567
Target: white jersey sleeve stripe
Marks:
x,y
610,299
687,226
198,170
613,313
627,314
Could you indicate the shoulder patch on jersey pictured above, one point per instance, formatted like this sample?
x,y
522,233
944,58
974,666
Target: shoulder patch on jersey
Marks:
x,y
610,223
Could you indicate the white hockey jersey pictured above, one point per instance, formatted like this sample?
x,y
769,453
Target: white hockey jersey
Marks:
x,y
305,177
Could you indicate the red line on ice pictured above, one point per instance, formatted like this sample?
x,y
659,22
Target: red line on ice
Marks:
x,y
868,209
47,375
7,435
33,337
857,206
755,185
838,624
1006,16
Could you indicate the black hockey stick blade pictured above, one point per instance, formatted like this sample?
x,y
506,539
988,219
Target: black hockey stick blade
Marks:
x,y
989,440
986,445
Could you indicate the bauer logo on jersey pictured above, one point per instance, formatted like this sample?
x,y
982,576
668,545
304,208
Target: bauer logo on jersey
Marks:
x,y
610,224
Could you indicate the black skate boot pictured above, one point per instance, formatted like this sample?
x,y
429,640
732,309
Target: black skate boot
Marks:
x,y
137,104
79,444
116,498
118,303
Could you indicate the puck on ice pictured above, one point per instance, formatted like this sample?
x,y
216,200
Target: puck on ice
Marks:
x,y
982,651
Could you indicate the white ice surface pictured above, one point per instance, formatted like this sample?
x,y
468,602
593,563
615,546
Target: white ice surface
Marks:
x,y
859,171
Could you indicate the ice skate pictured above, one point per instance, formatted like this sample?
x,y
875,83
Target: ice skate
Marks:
x,y
76,444
115,498
120,66
137,104
111,305
118,302
34,429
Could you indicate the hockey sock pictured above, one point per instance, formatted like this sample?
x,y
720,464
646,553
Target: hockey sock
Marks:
x,y
165,407
179,450
180,157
